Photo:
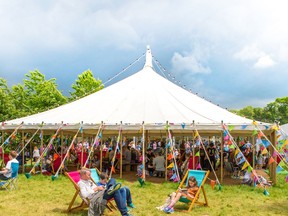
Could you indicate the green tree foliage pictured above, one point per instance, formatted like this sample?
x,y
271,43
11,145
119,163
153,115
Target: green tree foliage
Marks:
x,y
42,94
36,94
275,111
7,108
85,84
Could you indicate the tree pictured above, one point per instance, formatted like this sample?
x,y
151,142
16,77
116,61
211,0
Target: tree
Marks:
x,y
6,103
86,84
43,94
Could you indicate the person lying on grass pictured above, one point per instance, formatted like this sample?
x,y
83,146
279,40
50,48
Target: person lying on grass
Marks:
x,y
189,192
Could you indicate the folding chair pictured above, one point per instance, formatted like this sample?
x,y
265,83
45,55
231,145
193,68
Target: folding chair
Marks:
x,y
201,177
74,177
11,183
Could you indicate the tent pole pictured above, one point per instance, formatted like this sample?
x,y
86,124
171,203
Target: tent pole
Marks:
x,y
2,140
253,152
121,153
82,150
101,151
23,159
62,149
272,167
222,156
41,149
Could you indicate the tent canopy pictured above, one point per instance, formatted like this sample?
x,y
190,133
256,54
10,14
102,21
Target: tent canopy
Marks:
x,y
145,97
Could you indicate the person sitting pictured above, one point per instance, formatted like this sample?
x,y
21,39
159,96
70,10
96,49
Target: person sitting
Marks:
x,y
6,172
159,165
189,191
121,195
90,191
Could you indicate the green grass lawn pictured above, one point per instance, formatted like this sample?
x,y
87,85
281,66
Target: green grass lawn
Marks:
x,y
42,196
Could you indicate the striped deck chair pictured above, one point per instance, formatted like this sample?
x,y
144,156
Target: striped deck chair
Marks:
x,y
11,183
201,177
74,177
95,178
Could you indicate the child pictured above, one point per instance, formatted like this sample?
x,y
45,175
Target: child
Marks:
x,y
189,192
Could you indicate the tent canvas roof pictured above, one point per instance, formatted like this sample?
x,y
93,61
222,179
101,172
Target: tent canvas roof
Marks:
x,y
144,96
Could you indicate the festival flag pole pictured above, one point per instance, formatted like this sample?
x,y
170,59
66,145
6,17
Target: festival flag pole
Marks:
x,y
246,163
172,143
202,144
28,175
66,155
12,135
96,142
142,178
275,150
40,126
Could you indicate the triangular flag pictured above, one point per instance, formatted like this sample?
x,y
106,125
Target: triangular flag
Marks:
x,y
170,166
264,151
230,127
254,133
183,125
170,156
212,184
197,154
244,126
198,166
236,152
246,164
266,143
196,134
278,169
113,169
249,169
271,160
275,154
260,134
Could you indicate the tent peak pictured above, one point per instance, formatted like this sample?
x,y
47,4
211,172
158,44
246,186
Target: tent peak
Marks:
x,y
148,62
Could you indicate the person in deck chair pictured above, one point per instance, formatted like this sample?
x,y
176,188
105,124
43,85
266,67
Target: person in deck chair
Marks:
x,y
90,191
6,172
121,195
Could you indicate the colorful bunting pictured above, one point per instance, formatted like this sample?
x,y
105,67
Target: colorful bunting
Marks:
x,y
266,143
244,127
183,125
246,164
249,169
254,133
230,127
271,160
213,182
264,151
170,166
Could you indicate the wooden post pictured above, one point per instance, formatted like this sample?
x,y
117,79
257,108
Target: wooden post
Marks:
x,y
2,141
41,148
222,158
101,151
62,149
253,152
121,153
23,153
82,151
272,166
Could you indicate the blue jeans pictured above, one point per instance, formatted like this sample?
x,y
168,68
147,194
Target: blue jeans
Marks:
x,y
120,196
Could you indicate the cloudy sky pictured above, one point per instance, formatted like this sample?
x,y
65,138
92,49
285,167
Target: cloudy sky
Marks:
x,y
233,53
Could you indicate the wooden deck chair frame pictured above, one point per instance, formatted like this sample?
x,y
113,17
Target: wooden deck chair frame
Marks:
x,y
11,184
201,177
85,203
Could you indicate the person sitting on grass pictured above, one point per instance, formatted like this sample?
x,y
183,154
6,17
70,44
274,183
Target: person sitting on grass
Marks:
x,y
6,172
189,191
121,195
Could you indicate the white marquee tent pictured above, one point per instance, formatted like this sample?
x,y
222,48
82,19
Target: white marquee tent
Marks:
x,y
145,97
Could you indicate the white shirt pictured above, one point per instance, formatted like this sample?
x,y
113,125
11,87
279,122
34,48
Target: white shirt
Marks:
x,y
86,188
8,167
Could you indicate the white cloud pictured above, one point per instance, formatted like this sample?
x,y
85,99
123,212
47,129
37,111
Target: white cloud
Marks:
x,y
264,62
253,53
188,63
249,53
